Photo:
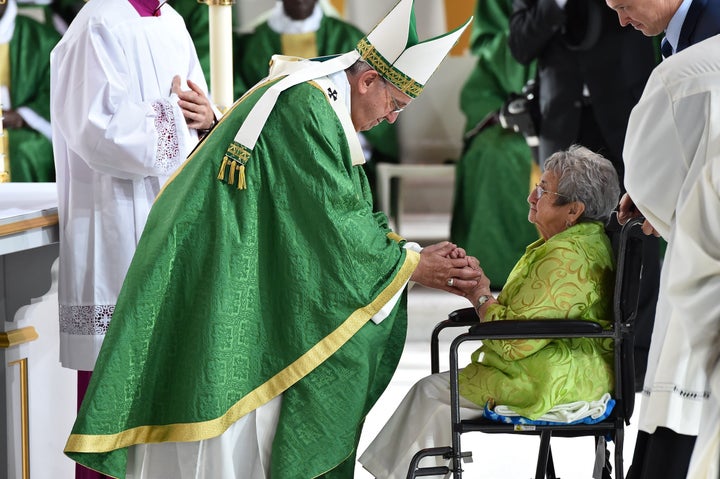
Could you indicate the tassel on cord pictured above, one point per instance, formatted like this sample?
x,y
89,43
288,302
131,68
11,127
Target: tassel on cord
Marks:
x,y
241,177
238,156
221,173
233,165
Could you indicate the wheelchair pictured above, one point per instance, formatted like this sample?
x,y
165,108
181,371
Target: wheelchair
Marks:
x,y
629,243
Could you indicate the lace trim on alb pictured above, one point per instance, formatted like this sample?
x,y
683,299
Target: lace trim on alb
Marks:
x,y
168,145
86,320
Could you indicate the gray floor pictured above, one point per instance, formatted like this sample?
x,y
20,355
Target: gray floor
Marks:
x,y
495,456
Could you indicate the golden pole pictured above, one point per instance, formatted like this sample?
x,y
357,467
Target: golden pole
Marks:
x,y
4,167
24,417
221,57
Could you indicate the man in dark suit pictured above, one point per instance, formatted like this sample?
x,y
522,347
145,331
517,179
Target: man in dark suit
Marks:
x,y
660,450
591,72
685,22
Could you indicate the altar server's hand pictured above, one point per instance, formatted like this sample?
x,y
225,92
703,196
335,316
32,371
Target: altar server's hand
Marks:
x,y
195,106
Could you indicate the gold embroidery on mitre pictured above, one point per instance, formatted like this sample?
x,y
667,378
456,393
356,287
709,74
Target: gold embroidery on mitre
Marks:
x,y
237,157
403,82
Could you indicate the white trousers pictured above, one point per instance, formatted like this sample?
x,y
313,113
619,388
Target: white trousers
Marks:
x,y
421,420
241,452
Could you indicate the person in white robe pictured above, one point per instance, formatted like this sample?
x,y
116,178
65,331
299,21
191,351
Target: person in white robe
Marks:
x,y
672,161
128,103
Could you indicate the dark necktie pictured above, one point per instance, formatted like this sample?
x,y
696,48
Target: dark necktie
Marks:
x,y
666,48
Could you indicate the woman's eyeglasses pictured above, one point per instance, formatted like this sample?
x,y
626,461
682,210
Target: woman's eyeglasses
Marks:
x,y
539,191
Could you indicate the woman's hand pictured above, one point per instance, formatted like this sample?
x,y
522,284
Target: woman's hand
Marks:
x,y
481,289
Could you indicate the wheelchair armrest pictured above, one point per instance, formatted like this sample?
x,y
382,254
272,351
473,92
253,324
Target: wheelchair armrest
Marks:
x,y
464,315
536,328
459,318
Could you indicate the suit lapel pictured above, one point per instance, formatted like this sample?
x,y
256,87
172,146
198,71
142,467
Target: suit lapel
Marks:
x,y
690,23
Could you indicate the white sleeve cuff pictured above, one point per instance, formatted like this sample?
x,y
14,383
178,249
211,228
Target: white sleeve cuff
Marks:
x,y
388,307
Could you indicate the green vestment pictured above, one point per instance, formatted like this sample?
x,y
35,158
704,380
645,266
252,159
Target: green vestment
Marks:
x,y
493,175
237,295
30,152
571,275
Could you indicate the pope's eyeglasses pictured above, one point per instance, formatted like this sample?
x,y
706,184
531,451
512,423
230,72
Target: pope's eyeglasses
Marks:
x,y
396,107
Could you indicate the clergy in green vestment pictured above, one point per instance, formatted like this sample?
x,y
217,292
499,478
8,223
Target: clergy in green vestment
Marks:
x,y
25,46
494,173
300,28
264,311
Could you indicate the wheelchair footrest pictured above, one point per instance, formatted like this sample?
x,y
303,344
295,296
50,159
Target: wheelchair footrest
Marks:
x,y
445,452
432,471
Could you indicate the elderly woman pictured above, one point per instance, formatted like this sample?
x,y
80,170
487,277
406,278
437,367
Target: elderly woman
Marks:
x,y
568,273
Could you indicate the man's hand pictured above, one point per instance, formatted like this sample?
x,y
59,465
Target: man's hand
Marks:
x,y
627,210
447,267
649,229
194,104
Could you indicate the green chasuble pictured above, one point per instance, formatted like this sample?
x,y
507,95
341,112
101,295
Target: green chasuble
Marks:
x,y
571,275
253,51
235,296
493,175
30,152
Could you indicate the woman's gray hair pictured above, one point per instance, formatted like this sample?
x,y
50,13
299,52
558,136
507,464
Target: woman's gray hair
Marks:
x,y
586,177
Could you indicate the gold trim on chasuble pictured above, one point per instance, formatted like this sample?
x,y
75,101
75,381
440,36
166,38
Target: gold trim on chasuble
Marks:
x,y
301,367
375,59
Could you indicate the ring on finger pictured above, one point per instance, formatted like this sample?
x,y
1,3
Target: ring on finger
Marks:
x,y
450,282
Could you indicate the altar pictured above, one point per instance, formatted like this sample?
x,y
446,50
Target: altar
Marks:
x,y
39,398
